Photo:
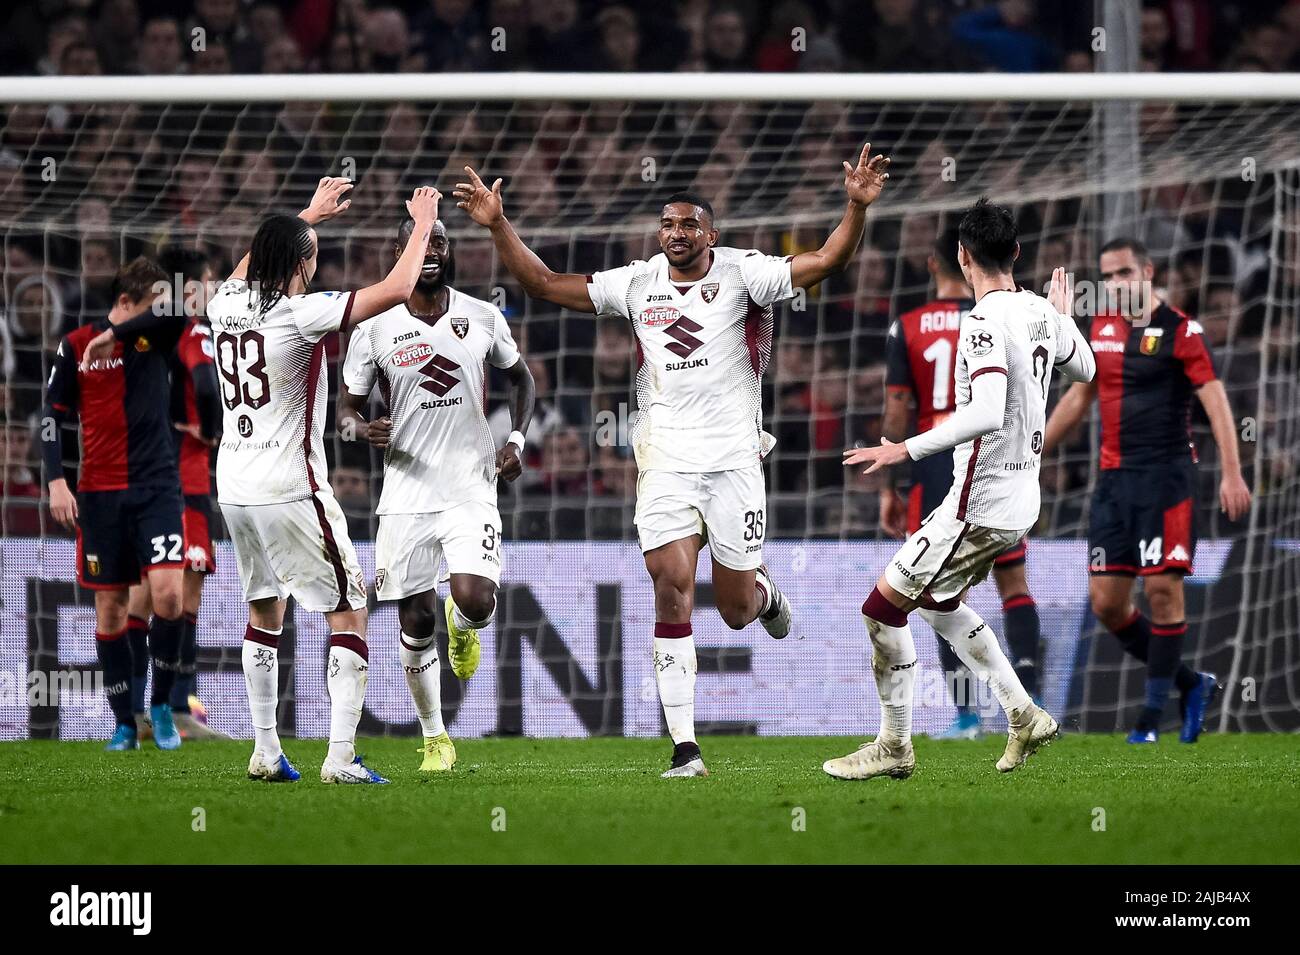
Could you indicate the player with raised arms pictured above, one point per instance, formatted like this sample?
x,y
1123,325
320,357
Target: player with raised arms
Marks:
x,y
1151,359
1010,342
439,500
288,531
920,369
702,316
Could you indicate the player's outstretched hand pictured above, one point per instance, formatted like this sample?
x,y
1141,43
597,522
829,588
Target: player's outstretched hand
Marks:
x,y
100,349
325,203
1061,292
864,181
379,431
881,457
509,466
423,205
63,504
1234,497
481,203
893,513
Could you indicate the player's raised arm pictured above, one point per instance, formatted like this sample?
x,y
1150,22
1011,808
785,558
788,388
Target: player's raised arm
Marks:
x,y
397,285
326,203
863,183
484,206
1074,357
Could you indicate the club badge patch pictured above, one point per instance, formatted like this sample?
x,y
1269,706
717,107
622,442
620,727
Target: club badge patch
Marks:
x,y
460,326
1151,341
380,574
92,564
709,292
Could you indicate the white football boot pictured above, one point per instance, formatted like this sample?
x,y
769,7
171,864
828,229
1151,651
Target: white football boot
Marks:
x,y
777,619
874,759
686,761
353,773
272,769
1031,728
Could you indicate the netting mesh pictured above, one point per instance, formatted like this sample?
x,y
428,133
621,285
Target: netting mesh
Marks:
x,y
81,189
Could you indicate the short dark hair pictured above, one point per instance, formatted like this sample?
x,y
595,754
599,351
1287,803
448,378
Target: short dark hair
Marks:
x,y
988,234
187,263
691,199
139,279
945,251
1134,245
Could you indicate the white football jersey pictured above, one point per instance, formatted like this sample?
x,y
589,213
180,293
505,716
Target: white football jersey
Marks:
x,y
702,348
273,385
995,476
441,451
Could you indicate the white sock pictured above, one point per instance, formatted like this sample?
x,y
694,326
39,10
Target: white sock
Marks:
x,y
346,677
675,666
420,664
893,662
977,646
261,661
464,623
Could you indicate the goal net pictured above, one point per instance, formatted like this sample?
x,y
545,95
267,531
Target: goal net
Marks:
x,y
1211,188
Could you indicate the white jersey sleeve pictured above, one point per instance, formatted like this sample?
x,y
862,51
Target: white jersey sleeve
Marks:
x,y
1074,357
609,289
983,347
503,352
359,369
319,313
768,277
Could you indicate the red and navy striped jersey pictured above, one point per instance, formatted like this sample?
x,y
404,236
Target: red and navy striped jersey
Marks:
x,y
194,349
124,407
921,357
1145,379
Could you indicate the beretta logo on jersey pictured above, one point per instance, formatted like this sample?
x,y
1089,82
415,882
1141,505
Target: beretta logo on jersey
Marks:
x,y
709,292
416,353
460,325
1151,341
659,316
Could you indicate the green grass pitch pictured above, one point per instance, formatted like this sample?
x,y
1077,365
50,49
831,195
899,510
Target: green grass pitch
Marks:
x,y
1228,799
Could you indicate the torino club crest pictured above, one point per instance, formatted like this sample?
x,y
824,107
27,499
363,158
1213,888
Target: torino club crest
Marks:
x,y
460,326
709,292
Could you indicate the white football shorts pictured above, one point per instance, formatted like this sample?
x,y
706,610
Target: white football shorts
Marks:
x,y
301,549
726,508
411,548
945,556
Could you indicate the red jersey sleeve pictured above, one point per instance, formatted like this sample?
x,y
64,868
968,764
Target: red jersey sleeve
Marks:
x,y
195,347
1191,350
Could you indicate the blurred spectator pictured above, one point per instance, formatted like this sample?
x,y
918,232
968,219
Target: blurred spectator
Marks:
x,y
160,48
32,327
560,40
388,42
20,489
1002,37
221,22
894,36
726,39
620,39
450,35
565,464
65,31
618,473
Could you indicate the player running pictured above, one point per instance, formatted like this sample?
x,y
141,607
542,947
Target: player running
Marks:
x,y
1010,342
703,321
919,355
196,413
440,467
113,374
1142,523
289,534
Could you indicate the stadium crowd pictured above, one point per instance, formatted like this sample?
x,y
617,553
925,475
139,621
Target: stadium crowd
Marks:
x,y
161,37
131,179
